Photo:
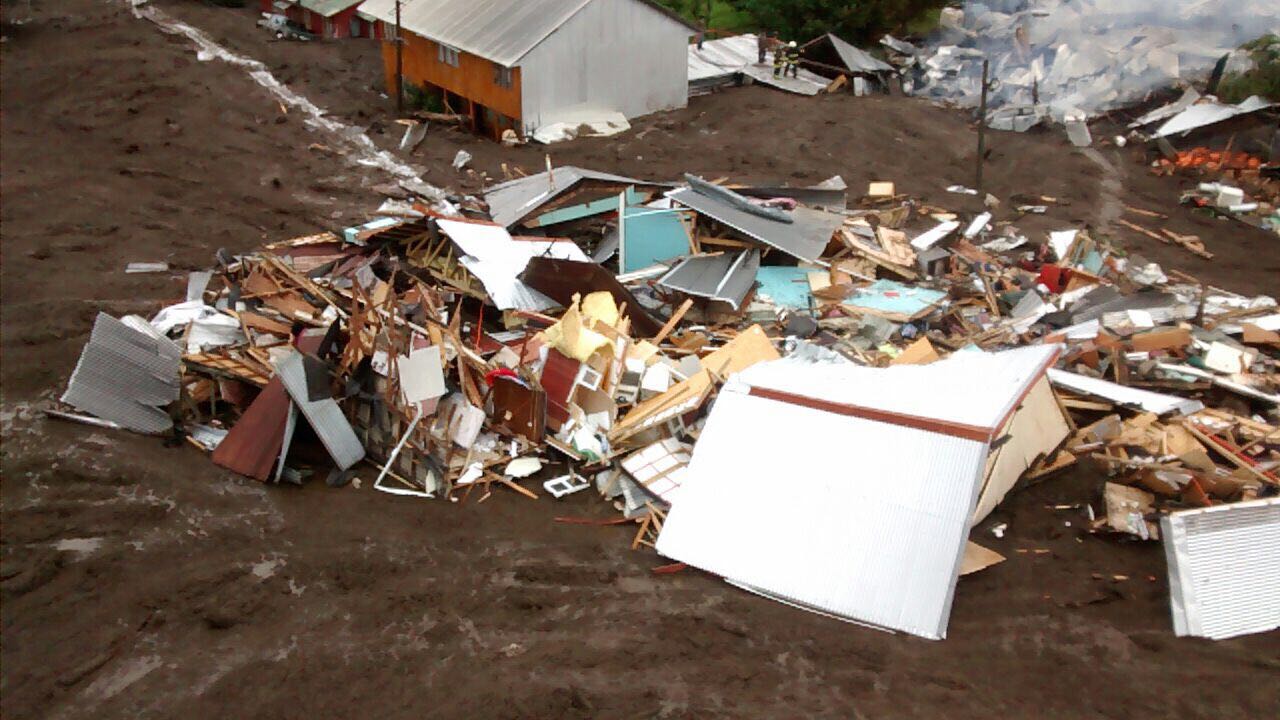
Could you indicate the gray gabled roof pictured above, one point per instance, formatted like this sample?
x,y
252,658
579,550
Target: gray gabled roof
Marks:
x,y
503,31
856,59
514,200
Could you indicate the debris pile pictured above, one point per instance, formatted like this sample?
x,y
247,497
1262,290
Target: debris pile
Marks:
x,y
1235,184
685,348
1089,56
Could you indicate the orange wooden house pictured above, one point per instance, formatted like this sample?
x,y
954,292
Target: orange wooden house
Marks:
x,y
522,64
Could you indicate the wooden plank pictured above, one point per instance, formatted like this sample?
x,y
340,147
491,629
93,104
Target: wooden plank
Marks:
x,y
1220,447
676,317
943,427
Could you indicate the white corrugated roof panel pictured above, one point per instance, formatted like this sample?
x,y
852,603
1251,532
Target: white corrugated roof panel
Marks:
x,y
857,518
721,58
503,31
1155,402
845,489
1224,568
499,30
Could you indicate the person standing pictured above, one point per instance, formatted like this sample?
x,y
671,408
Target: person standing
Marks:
x,y
792,55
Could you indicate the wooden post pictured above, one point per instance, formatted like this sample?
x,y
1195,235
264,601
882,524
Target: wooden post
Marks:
x,y
399,64
982,124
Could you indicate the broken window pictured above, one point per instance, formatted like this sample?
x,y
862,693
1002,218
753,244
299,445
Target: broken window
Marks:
x,y
447,55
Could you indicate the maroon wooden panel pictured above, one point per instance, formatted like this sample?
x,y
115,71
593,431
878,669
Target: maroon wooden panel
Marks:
x,y
557,380
519,410
252,447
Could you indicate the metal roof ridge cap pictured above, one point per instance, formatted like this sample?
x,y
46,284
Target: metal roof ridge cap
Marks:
x,y
1026,390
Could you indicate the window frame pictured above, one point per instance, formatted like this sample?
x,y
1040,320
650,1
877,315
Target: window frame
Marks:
x,y
448,55
503,76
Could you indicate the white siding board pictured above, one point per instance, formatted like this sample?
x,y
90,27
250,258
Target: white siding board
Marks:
x,y
777,498
1037,428
1224,568
612,55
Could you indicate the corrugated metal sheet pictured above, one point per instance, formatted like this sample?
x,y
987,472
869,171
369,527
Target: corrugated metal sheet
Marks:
x,y
1134,397
325,416
857,515
718,62
844,515
806,237
830,197
497,30
727,276
1224,568
125,376
623,56
514,200
856,59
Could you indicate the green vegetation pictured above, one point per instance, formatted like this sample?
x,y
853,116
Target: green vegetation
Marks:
x,y
420,98
725,18
858,21
1263,79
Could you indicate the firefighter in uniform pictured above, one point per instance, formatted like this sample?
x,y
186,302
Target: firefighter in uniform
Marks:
x,y
779,59
792,54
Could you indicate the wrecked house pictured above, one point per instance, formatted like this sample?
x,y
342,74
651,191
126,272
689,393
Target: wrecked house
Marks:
x,y
536,64
832,57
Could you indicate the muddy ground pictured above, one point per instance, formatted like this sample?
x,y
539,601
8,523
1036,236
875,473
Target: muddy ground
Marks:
x,y
141,581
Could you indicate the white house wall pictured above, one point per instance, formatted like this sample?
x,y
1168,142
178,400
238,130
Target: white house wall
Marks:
x,y
614,55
